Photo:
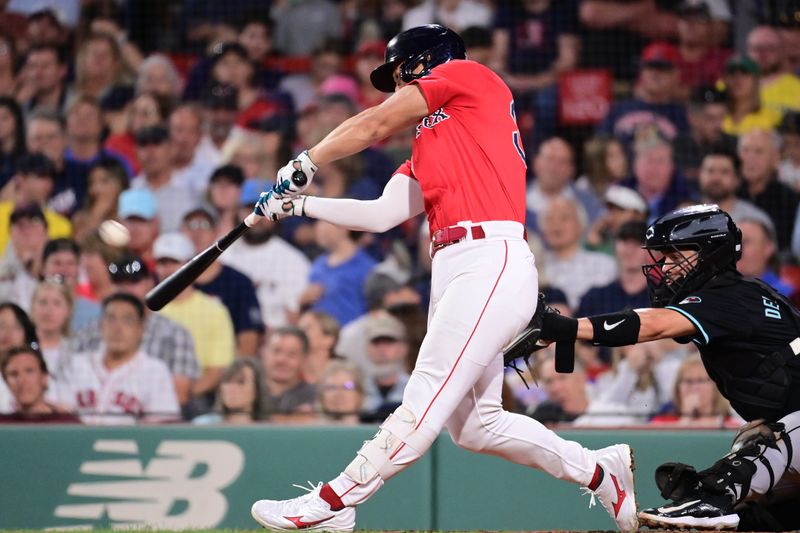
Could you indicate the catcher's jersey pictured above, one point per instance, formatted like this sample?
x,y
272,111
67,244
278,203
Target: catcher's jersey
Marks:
x,y
141,388
467,154
739,325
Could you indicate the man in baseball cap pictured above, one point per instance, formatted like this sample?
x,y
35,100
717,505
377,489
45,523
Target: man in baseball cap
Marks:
x,y
137,210
387,349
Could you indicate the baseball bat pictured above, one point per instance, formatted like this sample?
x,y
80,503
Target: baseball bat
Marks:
x,y
175,283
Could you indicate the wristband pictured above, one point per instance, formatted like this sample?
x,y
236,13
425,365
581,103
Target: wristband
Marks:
x,y
615,329
559,328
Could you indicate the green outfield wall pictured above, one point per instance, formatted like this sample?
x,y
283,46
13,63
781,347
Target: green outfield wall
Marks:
x,y
192,477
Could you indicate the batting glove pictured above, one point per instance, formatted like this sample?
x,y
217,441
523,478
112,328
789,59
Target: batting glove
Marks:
x,y
284,186
274,208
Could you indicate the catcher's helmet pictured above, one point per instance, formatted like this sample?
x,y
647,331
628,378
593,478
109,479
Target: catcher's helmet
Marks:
x,y
428,45
704,229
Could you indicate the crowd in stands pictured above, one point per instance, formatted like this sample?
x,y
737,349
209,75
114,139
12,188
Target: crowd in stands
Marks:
x,y
133,134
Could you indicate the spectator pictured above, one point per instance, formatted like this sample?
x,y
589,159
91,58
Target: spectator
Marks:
x,y
85,131
654,107
745,109
569,267
341,393
242,395
655,177
221,106
106,182
16,329
273,136
780,89
706,113
623,205
604,164
642,382
234,289
789,168
185,132
369,56
163,338
567,396
255,34
760,157
8,64
478,42
21,263
119,384
387,350
249,153
205,317
34,183
224,191
12,138
336,280
322,331
45,71
283,357
158,76
44,25
320,20
98,66
455,14
60,260
719,180
759,255
278,270
145,110
326,60
700,61
554,167
116,107
96,254
173,199
51,312
137,211
696,399
25,373
107,18
45,134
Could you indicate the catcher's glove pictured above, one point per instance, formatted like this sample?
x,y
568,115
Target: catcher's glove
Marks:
x,y
527,342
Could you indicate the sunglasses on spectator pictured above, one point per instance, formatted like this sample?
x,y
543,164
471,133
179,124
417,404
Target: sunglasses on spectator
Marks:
x,y
347,385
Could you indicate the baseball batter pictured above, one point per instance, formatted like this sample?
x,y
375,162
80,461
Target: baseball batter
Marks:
x,y
467,172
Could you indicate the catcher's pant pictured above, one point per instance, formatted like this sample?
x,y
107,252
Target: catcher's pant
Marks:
x,y
483,293
779,468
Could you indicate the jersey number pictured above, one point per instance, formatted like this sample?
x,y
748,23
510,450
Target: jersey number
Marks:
x,y
515,137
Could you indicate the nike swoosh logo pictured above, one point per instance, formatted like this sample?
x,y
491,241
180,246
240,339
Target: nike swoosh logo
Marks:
x,y
298,521
620,496
609,327
677,507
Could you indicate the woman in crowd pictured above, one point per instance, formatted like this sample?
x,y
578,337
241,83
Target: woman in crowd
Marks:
x,y
16,329
322,331
604,164
12,137
99,65
107,179
157,75
696,399
242,395
745,109
51,313
341,393
145,110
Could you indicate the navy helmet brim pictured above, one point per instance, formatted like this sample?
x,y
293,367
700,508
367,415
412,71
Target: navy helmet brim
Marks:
x,y
382,77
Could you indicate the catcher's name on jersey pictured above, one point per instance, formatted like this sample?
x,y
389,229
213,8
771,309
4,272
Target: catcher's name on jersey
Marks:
x,y
140,389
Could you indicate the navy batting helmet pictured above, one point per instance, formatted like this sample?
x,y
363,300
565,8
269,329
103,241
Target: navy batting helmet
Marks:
x,y
428,45
706,230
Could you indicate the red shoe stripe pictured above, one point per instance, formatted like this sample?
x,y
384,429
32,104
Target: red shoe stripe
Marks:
x,y
621,495
298,521
485,305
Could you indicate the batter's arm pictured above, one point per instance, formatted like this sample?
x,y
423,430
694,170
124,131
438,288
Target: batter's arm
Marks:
x,y
401,200
654,324
401,110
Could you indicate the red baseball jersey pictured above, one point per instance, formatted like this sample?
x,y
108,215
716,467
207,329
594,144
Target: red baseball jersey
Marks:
x,y
467,154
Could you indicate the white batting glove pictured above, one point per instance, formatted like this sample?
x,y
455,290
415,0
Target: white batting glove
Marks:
x,y
285,185
275,208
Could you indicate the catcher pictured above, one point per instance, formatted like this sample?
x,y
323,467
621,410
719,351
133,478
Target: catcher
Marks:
x,y
749,339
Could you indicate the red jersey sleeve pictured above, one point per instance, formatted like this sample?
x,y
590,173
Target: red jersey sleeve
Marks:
x,y
405,170
445,83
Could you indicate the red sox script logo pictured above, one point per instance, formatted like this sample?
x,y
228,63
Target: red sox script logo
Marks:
x,y
431,120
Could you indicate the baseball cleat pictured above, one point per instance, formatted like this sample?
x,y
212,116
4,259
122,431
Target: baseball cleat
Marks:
x,y
308,511
701,511
616,492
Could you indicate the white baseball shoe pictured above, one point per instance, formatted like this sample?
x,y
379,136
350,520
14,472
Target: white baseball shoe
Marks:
x,y
304,512
616,493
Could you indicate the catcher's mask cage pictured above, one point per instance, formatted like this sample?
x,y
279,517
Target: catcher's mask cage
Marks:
x,y
702,241
427,46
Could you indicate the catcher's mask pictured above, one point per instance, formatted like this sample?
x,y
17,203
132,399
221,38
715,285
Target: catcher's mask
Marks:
x,y
689,247
428,46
